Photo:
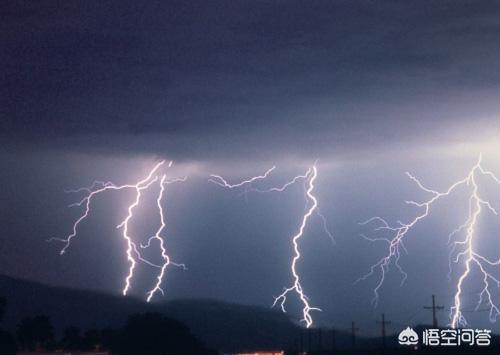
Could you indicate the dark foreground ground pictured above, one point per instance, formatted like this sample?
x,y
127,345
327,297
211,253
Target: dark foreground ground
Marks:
x,y
83,319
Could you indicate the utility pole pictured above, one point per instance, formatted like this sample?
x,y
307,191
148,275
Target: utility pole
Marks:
x,y
383,323
353,334
434,308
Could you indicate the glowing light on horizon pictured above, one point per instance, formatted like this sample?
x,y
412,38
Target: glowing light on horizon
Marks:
x,y
462,249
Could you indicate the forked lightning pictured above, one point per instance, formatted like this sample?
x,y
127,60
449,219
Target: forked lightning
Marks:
x,y
312,207
132,253
462,250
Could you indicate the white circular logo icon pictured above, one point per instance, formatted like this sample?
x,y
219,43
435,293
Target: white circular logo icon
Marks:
x,y
408,337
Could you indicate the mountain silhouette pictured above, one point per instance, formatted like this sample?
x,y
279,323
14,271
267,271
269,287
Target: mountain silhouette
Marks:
x,y
220,325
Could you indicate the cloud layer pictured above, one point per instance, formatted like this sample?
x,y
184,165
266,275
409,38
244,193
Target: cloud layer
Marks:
x,y
218,79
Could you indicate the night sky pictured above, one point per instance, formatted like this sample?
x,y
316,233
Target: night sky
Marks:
x,y
104,89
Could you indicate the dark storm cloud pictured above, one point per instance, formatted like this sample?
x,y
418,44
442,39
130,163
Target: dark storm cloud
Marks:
x,y
233,81
217,75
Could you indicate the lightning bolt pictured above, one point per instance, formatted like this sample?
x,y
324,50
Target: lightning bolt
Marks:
x,y
166,259
132,253
131,246
219,180
312,207
460,249
297,287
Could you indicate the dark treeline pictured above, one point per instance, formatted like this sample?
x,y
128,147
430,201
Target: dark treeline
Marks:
x,y
155,334
143,334
7,341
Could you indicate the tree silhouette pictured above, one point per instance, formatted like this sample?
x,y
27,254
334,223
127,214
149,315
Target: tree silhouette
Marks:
x,y
8,344
35,332
153,334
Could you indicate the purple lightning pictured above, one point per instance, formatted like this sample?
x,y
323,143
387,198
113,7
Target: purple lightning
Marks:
x,y
132,252
297,287
130,244
312,207
462,249
219,180
166,259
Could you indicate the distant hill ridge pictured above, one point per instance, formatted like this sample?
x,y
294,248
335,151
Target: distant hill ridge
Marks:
x,y
220,325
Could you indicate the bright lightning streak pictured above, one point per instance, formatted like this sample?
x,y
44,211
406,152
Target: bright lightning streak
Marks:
x,y
465,247
130,244
132,252
158,237
297,287
91,194
160,240
312,207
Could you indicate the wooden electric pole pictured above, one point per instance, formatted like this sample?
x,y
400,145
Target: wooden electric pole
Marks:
x,y
434,308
